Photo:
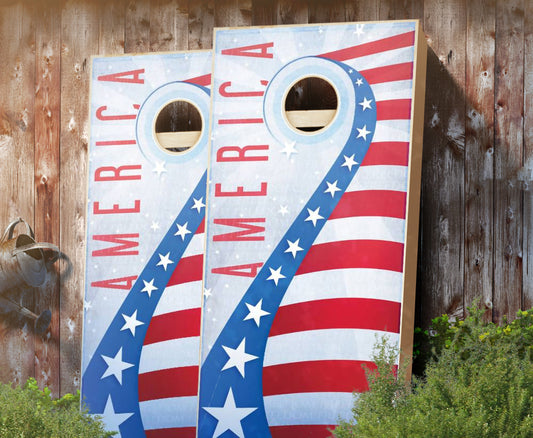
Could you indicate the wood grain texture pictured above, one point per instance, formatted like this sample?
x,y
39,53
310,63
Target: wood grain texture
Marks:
x,y
80,25
201,22
291,12
508,157
479,153
364,10
263,13
137,27
527,288
111,27
169,25
47,173
442,251
16,173
332,11
233,13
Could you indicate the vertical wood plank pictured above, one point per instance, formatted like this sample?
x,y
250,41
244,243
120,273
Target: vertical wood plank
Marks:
x,y
406,9
169,25
79,40
112,27
387,10
527,289
201,23
137,27
479,152
263,13
291,12
233,13
364,10
47,219
508,156
440,288
332,11
16,172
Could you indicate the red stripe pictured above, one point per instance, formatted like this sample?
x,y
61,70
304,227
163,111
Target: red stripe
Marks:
x,y
391,153
174,325
305,430
173,382
373,47
173,432
204,80
372,254
201,227
337,313
316,376
188,269
385,203
398,109
389,73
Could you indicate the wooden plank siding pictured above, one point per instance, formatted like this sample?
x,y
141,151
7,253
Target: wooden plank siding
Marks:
x,y
476,222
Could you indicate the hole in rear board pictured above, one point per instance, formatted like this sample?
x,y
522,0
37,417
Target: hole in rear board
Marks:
x,y
311,104
178,127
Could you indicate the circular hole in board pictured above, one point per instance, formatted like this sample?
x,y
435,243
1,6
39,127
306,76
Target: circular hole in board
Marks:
x,y
178,126
311,104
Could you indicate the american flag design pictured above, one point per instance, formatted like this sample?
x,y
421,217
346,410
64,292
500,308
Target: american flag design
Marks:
x,y
299,294
145,251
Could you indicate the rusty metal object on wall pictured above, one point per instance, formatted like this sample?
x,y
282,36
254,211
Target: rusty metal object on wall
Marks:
x,y
24,263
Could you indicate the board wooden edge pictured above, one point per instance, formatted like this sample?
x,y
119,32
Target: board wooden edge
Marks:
x,y
413,202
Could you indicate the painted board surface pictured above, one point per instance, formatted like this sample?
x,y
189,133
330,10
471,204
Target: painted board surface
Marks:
x,y
145,239
306,231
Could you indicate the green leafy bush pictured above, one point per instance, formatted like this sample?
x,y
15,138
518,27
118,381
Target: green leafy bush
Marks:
x,y
478,384
29,412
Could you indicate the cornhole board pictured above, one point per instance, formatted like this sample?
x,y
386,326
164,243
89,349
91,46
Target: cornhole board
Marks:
x,y
145,240
311,235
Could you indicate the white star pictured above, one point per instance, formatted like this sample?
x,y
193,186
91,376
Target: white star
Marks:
x,y
112,419
276,275
283,210
198,204
363,132
237,357
87,305
131,322
256,312
115,366
293,247
149,287
182,230
313,216
160,168
359,29
207,292
154,226
289,149
349,162
164,260
366,105
359,82
332,188
229,416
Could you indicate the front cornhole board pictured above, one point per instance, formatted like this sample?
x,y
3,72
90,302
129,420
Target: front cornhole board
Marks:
x,y
145,244
311,236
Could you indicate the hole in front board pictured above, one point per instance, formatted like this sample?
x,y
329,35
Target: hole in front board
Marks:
x,y
311,104
178,126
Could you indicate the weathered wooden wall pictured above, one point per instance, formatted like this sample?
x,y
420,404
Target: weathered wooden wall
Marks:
x,y
477,208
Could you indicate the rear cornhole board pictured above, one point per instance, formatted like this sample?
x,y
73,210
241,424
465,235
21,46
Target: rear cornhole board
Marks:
x,y
312,221
145,242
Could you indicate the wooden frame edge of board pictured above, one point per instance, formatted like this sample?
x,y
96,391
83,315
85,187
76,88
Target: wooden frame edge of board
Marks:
x,y
413,202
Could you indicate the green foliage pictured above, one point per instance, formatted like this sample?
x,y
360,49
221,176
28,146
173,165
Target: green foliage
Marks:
x,y
478,384
29,412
